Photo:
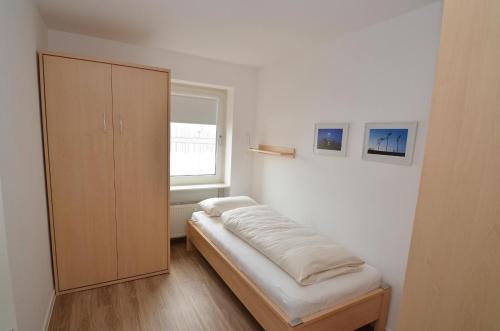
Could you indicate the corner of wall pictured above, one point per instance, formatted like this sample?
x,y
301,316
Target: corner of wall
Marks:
x,y
22,171
50,308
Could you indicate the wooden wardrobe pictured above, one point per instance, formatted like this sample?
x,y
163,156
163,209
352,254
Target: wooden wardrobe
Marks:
x,y
106,139
453,275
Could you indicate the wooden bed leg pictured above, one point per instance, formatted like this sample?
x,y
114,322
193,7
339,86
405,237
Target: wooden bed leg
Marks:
x,y
189,244
379,325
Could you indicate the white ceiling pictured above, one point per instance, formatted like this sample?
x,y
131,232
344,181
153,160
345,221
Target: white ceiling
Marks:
x,y
252,32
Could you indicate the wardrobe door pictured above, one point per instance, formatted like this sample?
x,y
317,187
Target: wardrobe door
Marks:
x,y
140,112
453,274
78,115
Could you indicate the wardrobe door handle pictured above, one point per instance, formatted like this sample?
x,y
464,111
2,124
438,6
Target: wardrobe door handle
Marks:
x,y
104,124
120,120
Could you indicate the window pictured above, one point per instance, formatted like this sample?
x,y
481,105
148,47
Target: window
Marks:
x,y
193,149
197,135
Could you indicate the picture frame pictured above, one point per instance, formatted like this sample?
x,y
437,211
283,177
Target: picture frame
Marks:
x,y
331,138
392,142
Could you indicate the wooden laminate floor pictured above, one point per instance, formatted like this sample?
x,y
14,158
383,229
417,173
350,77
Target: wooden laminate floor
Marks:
x,y
192,297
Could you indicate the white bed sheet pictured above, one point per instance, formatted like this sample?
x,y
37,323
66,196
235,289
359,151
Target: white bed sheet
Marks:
x,y
295,300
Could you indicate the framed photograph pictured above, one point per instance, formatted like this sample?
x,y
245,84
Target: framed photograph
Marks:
x,y
390,142
331,138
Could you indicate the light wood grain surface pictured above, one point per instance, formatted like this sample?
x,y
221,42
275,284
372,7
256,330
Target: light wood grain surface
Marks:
x,y
79,146
101,60
453,273
140,119
106,143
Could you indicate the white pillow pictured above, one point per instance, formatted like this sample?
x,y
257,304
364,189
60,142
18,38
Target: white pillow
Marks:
x,y
216,206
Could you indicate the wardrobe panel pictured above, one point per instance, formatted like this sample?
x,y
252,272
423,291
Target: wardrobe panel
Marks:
x,y
140,112
79,137
454,263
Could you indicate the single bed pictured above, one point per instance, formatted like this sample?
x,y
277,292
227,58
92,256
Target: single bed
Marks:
x,y
274,298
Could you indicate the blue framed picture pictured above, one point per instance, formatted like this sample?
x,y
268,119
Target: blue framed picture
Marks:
x,y
331,138
390,142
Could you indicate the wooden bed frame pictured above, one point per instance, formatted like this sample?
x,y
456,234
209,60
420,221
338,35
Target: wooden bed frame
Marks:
x,y
371,307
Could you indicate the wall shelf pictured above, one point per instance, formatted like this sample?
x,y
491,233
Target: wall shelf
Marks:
x,y
274,150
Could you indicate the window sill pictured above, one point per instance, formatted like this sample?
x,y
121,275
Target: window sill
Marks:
x,y
198,187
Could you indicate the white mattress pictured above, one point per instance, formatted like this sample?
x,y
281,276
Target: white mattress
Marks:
x,y
295,300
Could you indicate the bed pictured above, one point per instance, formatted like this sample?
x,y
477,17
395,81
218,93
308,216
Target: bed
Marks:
x,y
276,301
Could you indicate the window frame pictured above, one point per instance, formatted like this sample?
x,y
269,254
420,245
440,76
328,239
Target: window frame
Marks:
x,y
220,96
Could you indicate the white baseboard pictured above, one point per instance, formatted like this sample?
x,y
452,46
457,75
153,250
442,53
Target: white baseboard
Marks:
x,y
48,315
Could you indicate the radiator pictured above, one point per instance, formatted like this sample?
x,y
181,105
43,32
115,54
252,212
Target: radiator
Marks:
x,y
178,216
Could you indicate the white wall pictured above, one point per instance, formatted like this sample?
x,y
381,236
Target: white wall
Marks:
x,y
189,68
382,73
7,309
21,163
